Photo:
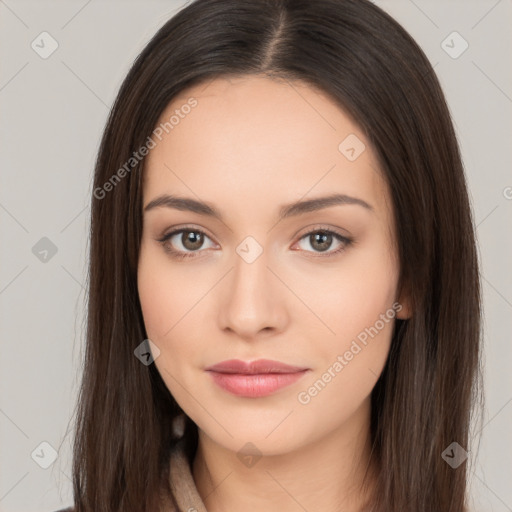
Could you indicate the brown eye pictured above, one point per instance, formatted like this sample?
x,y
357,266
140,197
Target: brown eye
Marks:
x,y
321,241
192,240
184,243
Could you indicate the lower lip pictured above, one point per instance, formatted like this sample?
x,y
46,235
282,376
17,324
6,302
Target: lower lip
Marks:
x,y
261,384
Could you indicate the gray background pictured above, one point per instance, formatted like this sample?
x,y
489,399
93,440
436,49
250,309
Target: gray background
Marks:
x,y
52,114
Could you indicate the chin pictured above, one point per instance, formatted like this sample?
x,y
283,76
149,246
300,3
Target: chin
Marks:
x,y
260,439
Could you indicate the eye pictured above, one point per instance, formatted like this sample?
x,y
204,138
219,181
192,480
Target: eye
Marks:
x,y
188,241
321,240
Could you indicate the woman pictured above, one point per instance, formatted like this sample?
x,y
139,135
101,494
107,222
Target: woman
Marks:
x,y
284,304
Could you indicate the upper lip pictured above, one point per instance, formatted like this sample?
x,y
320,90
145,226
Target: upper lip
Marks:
x,y
254,367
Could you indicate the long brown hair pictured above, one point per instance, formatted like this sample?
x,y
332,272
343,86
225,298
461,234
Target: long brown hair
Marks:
x,y
425,398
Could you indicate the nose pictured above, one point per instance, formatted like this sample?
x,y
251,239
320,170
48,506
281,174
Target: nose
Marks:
x,y
253,301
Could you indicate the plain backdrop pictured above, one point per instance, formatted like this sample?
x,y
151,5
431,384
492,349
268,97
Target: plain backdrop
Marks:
x,y
53,110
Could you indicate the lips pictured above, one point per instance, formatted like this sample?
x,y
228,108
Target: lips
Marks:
x,y
254,379
254,367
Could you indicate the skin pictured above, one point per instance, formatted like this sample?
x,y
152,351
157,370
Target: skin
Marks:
x,y
251,145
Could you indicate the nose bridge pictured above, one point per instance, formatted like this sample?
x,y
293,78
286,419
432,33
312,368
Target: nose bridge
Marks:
x,y
250,277
253,300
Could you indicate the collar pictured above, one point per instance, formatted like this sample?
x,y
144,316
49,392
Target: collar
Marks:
x,y
182,482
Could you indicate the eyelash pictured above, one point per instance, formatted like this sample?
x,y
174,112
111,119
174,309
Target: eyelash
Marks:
x,y
346,241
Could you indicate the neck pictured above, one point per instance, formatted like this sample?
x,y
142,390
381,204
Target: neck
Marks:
x,y
324,475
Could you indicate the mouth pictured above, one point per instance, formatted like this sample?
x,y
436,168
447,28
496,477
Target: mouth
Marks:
x,y
254,379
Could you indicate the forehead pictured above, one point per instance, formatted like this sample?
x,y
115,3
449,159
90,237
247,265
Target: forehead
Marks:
x,y
254,142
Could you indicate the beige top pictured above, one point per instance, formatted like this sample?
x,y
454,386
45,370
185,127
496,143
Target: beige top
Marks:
x,y
182,484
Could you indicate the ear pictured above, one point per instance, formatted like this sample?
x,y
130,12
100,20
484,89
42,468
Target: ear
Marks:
x,y
403,305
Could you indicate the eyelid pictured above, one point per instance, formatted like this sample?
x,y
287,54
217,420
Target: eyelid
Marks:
x,y
344,239
179,229
313,228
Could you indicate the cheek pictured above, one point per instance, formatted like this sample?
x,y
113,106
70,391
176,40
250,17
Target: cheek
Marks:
x,y
355,304
349,296
172,312
358,307
348,367
162,310
157,300
358,302
165,293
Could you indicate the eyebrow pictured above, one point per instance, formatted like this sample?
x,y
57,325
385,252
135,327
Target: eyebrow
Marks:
x,y
289,210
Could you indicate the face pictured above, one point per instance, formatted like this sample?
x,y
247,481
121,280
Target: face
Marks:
x,y
246,277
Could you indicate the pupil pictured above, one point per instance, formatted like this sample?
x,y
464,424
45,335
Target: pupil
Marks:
x,y
322,238
193,240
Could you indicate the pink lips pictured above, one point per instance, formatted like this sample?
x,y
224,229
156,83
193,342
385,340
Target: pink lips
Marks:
x,y
255,379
